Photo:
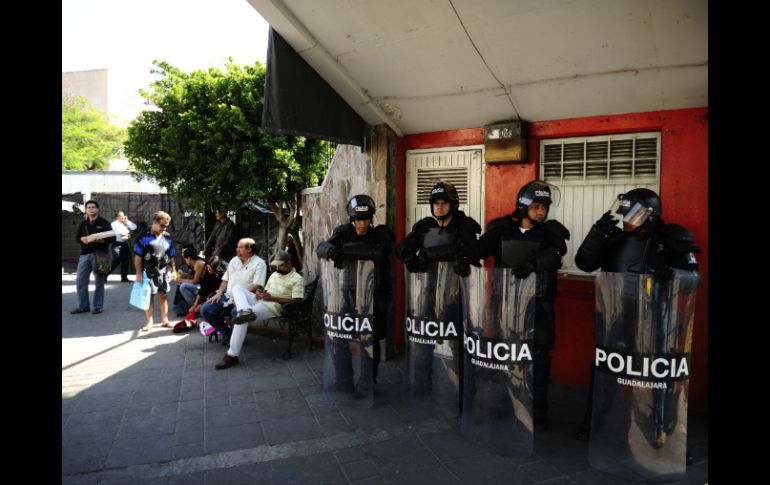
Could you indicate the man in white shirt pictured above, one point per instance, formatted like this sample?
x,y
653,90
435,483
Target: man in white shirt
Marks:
x,y
246,270
284,286
122,255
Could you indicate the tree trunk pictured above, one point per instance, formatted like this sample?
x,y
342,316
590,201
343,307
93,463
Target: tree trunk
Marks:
x,y
294,230
294,233
284,224
280,240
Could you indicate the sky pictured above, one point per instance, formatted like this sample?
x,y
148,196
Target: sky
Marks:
x,y
125,36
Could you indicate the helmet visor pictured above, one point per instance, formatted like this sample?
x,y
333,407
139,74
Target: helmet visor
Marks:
x,y
633,213
637,215
544,193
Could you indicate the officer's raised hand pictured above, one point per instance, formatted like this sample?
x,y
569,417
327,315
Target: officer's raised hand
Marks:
x,y
606,222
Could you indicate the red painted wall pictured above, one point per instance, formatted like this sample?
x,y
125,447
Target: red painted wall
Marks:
x,y
684,192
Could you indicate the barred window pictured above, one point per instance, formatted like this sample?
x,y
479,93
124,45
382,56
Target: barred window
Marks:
x,y
590,172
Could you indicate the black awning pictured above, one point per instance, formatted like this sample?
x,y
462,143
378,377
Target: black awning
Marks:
x,y
299,102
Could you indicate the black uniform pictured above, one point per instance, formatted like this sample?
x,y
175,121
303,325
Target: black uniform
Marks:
x,y
550,237
346,245
460,248
657,248
422,249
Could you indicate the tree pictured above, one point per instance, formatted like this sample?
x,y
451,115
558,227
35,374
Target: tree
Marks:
x,y
202,141
88,140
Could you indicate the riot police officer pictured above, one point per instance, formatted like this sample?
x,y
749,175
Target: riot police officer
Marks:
x,y
361,240
436,252
645,245
528,242
455,234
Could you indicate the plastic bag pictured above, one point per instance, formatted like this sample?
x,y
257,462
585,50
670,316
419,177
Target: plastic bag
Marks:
x,y
141,293
103,260
206,329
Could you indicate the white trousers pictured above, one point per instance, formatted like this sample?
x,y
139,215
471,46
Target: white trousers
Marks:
x,y
245,300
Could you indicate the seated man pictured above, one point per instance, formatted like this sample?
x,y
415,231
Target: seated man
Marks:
x,y
247,270
284,286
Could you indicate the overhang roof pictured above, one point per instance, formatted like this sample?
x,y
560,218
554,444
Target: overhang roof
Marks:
x,y
422,65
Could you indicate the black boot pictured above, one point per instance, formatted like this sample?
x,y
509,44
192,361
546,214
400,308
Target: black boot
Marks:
x,y
584,428
540,419
583,431
542,367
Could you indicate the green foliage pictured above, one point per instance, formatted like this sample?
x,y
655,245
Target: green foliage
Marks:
x,y
88,140
202,140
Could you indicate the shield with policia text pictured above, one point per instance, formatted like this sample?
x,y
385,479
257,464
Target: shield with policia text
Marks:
x,y
642,361
433,338
349,327
499,322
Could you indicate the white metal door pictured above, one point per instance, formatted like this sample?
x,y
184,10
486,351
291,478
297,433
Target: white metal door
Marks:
x,y
462,166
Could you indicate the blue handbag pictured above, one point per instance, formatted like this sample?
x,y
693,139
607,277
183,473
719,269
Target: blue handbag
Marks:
x,y
141,293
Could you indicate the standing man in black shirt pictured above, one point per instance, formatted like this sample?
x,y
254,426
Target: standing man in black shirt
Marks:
x,y
93,224
223,238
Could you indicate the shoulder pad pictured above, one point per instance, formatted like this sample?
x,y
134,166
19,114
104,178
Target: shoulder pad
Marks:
x,y
556,228
384,233
501,223
342,229
470,224
679,238
424,224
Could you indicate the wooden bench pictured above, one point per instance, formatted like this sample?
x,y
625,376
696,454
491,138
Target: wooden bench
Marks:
x,y
295,317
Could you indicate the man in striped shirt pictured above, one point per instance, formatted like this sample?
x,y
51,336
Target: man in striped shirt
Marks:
x,y
284,286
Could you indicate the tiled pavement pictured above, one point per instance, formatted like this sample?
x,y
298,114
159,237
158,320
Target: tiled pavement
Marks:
x,y
149,408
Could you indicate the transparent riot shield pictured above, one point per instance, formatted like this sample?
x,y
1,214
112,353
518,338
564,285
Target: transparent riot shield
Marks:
x,y
433,339
642,359
498,324
349,332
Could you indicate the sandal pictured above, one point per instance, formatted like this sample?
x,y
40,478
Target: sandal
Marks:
x,y
166,325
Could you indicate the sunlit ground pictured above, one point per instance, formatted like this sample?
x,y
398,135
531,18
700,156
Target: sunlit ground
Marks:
x,y
90,359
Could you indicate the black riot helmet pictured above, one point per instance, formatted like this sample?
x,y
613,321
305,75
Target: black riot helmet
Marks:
x,y
638,208
448,192
536,191
361,207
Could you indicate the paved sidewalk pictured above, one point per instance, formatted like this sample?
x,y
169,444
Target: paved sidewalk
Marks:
x,y
149,408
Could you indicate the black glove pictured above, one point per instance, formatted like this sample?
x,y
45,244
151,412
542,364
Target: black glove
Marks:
x,y
606,222
331,252
338,256
422,257
663,274
413,264
524,269
462,268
